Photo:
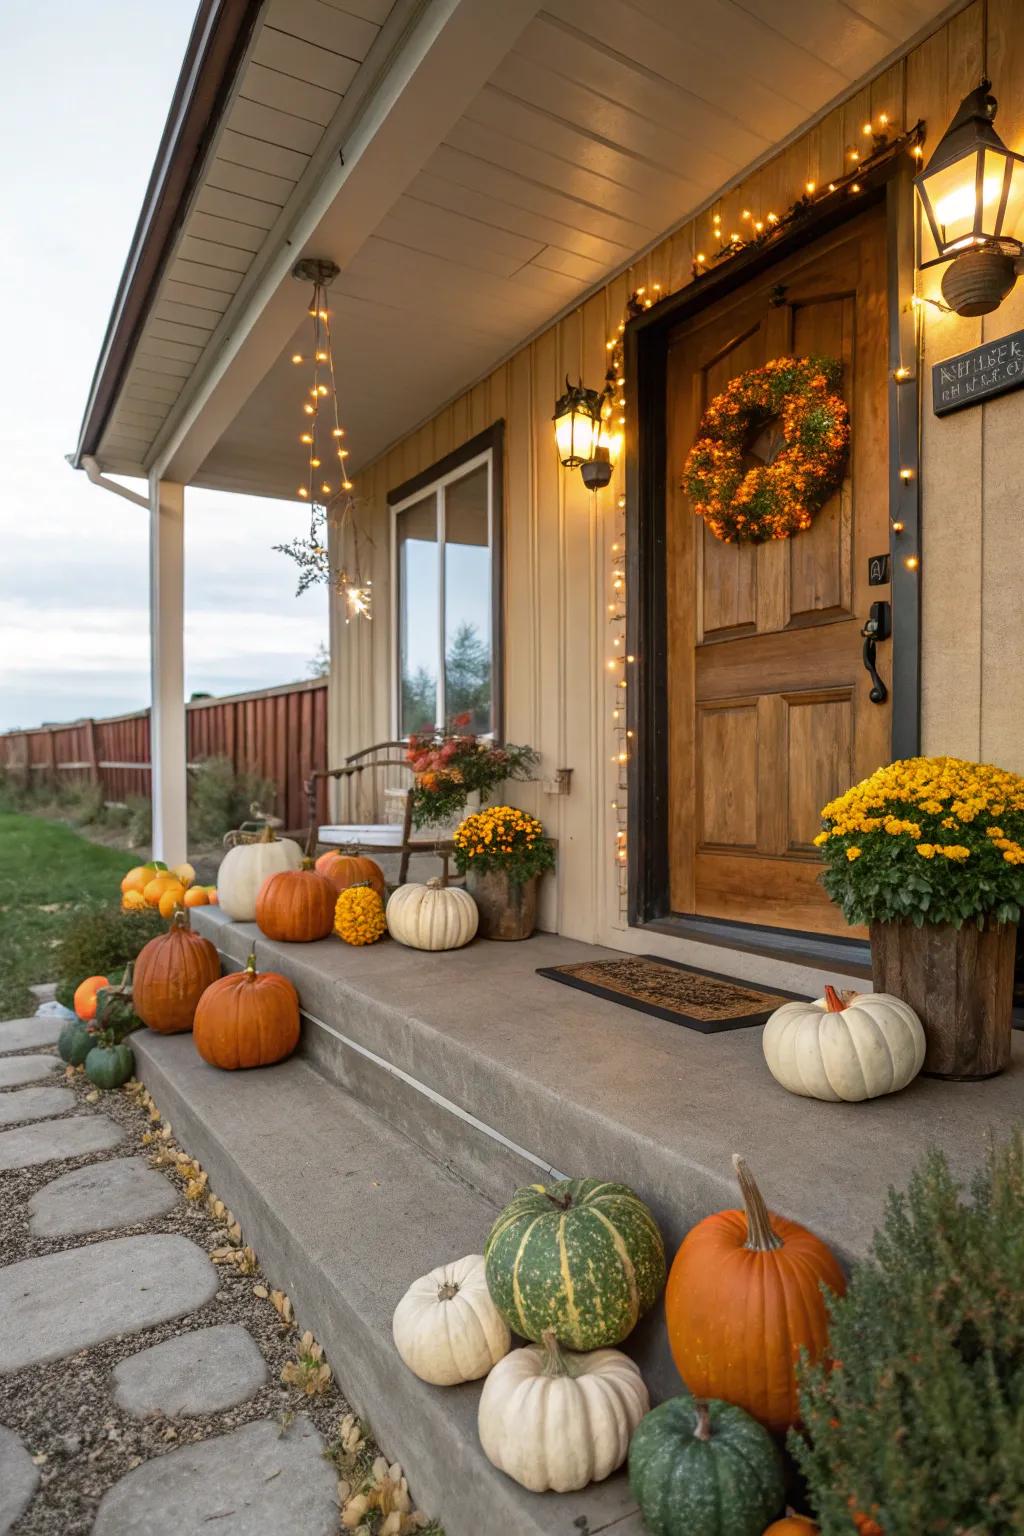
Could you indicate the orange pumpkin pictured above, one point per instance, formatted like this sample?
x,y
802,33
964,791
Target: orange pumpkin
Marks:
x,y
172,898
247,1020
171,975
793,1525
743,1298
197,896
84,1001
156,887
344,870
296,906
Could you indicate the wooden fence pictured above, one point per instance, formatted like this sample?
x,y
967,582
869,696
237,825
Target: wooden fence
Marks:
x,y
278,733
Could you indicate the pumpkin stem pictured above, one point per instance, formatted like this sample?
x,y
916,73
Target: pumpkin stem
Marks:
x,y
250,964
703,1429
760,1236
180,918
555,1363
267,835
448,1291
833,1002
562,1201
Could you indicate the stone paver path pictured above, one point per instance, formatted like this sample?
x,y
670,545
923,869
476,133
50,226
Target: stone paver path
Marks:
x,y
253,1482
64,1302
201,1372
34,1104
20,1034
16,1070
117,1193
18,1479
35,1144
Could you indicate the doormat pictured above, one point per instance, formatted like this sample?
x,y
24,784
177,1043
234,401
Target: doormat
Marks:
x,y
700,1000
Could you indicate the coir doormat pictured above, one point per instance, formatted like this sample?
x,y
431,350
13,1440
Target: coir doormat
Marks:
x,y
681,994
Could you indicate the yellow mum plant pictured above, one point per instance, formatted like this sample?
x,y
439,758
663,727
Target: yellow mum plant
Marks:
x,y
359,915
503,837
927,840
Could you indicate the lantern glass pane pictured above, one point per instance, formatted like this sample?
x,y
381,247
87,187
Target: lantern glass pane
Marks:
x,y
951,193
1004,223
576,434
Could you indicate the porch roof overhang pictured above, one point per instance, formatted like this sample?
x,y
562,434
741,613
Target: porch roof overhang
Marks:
x,y
474,171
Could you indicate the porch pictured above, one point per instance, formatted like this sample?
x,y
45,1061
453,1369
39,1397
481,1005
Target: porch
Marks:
x,y
429,1086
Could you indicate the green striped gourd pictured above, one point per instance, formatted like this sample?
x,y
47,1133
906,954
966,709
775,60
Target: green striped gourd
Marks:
x,y
581,1258
704,1469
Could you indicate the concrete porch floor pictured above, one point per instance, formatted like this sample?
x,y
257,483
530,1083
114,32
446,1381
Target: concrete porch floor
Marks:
x,y
585,1086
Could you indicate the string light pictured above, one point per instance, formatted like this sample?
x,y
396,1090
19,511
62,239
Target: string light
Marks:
x,y
322,406
911,562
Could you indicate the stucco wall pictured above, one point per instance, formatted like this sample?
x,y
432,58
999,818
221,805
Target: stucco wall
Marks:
x,y
558,557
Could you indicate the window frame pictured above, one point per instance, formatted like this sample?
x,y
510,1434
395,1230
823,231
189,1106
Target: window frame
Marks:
x,y
486,448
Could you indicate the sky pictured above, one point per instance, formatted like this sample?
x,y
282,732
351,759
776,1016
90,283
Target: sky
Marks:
x,y
84,90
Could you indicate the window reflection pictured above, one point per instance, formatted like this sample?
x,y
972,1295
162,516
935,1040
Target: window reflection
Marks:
x,y
419,610
445,622
467,609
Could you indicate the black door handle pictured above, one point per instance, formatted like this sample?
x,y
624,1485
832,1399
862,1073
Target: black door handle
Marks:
x,y
878,627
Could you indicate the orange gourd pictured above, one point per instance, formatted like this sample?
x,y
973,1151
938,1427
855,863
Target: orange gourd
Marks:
x,y
743,1298
247,1020
171,974
296,906
84,1001
793,1525
347,869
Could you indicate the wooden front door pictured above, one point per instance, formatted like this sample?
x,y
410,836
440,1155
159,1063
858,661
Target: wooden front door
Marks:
x,y
769,714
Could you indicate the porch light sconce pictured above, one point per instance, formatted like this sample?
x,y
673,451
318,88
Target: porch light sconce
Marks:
x,y
972,197
580,434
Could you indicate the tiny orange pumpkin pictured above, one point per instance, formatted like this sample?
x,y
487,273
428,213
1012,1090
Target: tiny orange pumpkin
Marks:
x,y
85,998
793,1525
249,1019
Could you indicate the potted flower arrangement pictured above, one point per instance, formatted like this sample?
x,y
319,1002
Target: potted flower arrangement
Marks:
x,y
929,852
452,765
503,851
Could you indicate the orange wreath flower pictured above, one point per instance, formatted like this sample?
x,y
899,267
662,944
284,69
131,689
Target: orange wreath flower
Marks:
x,y
742,504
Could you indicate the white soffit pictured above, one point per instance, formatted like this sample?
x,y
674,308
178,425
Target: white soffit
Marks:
x,y
602,127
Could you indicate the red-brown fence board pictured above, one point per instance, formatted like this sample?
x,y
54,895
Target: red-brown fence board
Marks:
x,y
279,734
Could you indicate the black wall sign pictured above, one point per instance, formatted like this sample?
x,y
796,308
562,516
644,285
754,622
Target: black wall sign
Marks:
x,y
977,375
878,570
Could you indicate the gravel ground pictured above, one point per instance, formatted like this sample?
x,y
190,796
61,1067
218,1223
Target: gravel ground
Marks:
x,y
65,1413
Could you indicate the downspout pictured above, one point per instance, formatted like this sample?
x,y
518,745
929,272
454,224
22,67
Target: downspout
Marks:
x,y
97,477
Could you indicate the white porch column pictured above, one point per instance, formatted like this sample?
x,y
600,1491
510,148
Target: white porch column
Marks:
x,y
167,668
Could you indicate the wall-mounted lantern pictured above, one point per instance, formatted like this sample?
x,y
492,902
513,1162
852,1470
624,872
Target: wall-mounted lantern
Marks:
x,y
972,197
581,432
577,424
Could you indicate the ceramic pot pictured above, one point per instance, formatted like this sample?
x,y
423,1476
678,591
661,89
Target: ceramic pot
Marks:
x,y
508,910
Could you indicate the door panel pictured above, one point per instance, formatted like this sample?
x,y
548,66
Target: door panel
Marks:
x,y
768,710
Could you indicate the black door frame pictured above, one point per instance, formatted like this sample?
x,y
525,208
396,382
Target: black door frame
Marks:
x,y
646,353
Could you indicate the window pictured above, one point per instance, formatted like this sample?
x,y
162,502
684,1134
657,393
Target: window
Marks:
x,y
445,563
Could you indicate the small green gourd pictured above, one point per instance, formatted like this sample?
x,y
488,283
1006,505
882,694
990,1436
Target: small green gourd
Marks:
x,y
75,1042
110,1066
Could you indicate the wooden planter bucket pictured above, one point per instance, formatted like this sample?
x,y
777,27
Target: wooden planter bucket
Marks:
x,y
959,981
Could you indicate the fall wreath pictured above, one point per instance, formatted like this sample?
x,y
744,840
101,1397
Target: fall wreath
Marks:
x,y
770,450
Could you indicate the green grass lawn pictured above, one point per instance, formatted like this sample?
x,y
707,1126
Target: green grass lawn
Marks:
x,y
47,872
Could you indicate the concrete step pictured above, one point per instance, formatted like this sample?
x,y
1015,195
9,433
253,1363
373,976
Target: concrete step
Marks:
x,y
344,1212
505,1077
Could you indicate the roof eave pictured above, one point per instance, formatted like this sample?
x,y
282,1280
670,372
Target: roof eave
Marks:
x,y
217,44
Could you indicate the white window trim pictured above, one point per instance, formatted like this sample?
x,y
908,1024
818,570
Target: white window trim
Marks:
x,y
436,487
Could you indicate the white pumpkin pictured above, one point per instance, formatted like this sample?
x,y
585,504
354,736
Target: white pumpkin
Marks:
x,y
550,1418
823,1050
432,916
446,1327
243,870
